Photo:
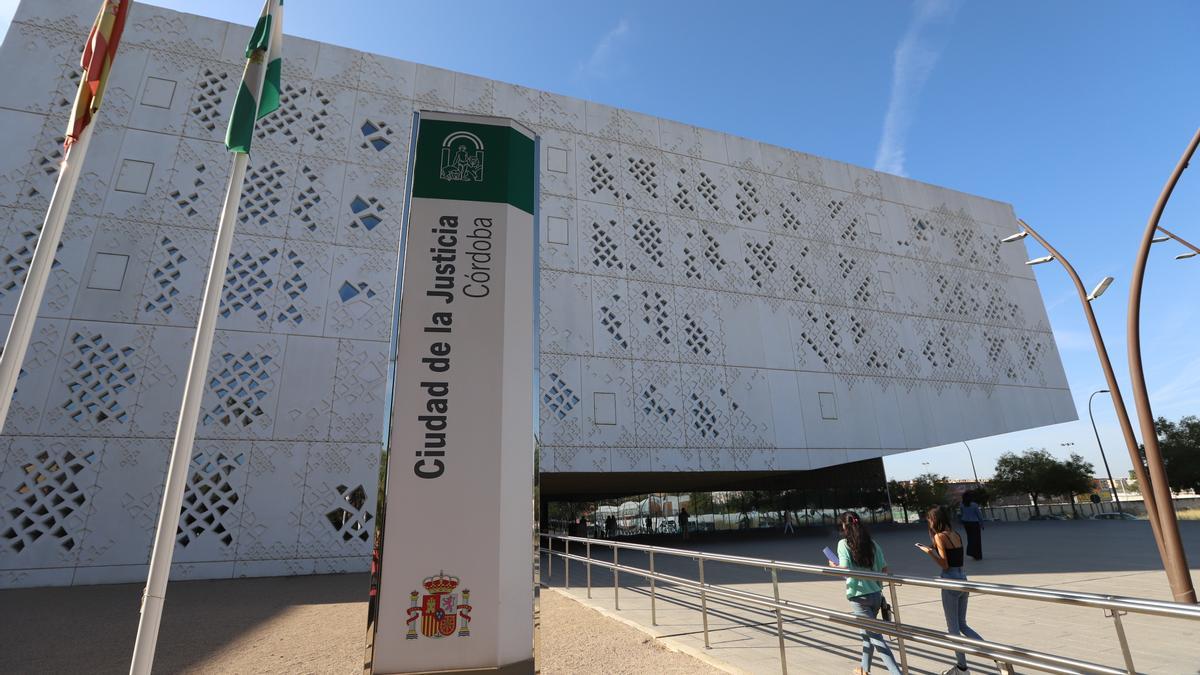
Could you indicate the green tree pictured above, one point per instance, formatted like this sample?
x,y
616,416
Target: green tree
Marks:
x,y
1038,474
928,489
700,502
1133,481
1071,477
901,496
1179,443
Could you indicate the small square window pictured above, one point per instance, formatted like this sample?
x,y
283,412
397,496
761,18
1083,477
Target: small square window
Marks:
x,y
828,405
873,225
556,160
158,93
134,176
886,283
108,272
605,407
557,231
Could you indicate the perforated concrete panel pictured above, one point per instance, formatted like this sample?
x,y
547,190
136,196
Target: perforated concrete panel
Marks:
x,y
709,303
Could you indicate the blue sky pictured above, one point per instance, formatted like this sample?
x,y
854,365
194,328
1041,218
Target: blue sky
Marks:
x,y
1075,112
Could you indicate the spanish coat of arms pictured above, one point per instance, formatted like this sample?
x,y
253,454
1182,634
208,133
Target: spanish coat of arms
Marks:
x,y
439,609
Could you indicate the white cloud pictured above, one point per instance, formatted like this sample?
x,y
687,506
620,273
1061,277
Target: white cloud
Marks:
x,y
914,60
603,59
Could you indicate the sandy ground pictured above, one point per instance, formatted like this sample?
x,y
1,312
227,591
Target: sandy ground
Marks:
x,y
278,625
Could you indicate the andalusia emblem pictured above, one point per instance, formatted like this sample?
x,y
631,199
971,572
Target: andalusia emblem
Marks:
x,y
462,157
439,609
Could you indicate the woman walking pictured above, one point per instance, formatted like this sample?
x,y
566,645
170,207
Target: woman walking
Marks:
x,y
947,552
972,520
857,551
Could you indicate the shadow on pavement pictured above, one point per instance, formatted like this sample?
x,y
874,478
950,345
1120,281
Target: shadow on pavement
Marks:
x,y
91,629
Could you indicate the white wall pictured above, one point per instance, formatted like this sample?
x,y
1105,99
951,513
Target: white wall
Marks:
x,y
703,293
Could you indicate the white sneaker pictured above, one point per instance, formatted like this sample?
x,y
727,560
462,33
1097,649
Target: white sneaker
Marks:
x,y
955,670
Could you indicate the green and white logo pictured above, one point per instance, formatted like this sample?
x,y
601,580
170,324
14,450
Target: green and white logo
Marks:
x,y
462,157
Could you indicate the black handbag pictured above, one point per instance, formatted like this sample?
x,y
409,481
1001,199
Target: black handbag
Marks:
x,y
885,611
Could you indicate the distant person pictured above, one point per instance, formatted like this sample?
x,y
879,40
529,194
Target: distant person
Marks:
x,y
857,551
947,552
684,517
972,520
649,525
787,523
610,526
583,530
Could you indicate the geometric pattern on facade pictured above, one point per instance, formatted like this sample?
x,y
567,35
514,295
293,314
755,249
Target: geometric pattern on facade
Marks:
x,y
709,303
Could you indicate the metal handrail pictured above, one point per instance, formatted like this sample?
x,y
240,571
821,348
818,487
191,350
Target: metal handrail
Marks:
x,y
1108,602
994,650
1007,655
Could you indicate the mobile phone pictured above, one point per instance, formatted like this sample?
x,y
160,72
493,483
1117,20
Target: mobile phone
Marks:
x,y
830,555
920,546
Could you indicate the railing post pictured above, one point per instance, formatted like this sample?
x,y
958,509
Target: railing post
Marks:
x,y
779,622
616,579
653,612
567,563
896,620
1116,617
549,559
704,605
589,569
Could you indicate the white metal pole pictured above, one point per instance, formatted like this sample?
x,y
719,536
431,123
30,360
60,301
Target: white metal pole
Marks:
x,y
185,434
34,289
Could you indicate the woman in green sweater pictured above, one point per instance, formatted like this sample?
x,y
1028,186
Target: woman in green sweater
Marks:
x,y
857,551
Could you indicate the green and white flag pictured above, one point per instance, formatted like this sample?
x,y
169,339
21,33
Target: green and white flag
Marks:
x,y
258,95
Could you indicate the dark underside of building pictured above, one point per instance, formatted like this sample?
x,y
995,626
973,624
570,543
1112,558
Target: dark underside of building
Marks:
x,y
843,481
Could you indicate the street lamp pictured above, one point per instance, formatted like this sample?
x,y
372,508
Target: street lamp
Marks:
x,y
1100,288
973,471
1110,378
1176,558
1112,483
1168,235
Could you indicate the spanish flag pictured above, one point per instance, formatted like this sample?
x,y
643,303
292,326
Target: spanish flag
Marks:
x,y
98,54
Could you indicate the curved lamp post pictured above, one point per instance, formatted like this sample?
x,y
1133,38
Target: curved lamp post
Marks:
x,y
1177,570
973,471
1111,483
1086,299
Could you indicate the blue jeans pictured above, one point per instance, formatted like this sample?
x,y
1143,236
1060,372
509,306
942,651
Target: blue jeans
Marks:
x,y
867,606
954,604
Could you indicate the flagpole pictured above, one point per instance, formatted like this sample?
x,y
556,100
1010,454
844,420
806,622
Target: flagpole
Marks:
x,y
263,65
38,274
185,433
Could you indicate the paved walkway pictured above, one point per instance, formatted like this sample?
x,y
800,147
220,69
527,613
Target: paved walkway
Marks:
x,y
1093,556
283,625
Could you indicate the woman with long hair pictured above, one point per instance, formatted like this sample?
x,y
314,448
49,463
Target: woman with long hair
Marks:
x,y
947,552
857,551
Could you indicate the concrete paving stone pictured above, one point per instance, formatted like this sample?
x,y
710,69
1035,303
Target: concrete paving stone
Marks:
x,y
1062,555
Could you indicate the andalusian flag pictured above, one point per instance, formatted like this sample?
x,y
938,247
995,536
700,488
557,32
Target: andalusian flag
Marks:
x,y
258,95
97,60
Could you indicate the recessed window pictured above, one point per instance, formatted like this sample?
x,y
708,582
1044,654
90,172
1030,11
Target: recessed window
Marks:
x,y
605,407
108,272
557,231
556,160
886,283
158,93
828,405
873,224
134,176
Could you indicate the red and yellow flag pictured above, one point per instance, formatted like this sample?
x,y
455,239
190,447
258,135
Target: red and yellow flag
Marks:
x,y
98,54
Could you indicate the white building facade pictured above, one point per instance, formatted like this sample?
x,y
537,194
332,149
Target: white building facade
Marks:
x,y
710,304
